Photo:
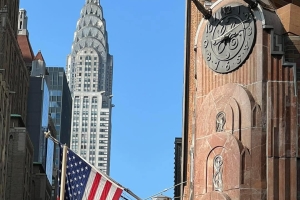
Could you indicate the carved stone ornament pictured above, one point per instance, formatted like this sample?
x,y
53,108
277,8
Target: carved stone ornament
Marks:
x,y
220,121
228,38
218,170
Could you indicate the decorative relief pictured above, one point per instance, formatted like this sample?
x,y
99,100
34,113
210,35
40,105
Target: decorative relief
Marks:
x,y
276,44
217,178
220,121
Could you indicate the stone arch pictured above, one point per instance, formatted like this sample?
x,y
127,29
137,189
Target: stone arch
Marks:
x,y
245,167
237,103
234,101
256,116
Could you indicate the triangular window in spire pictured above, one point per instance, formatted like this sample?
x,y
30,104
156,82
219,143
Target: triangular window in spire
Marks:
x,y
90,22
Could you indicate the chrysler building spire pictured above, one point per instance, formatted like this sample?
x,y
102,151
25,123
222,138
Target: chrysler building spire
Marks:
x,y
93,1
89,73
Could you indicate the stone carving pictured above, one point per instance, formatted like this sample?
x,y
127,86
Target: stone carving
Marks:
x,y
217,178
276,44
220,121
228,38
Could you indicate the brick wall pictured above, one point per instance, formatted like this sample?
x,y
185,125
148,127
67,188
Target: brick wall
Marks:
x,y
15,71
292,47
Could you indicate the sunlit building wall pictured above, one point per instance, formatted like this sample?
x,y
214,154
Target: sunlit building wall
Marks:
x,y
89,73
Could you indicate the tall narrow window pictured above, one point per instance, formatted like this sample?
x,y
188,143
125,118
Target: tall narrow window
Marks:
x,y
217,176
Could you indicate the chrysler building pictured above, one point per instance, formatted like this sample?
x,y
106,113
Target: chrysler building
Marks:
x,y
89,73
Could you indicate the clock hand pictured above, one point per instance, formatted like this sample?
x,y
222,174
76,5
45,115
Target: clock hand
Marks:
x,y
222,37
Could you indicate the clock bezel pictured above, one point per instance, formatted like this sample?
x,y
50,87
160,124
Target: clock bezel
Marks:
x,y
219,65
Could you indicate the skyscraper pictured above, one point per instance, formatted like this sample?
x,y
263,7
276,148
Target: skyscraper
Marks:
x,y
60,106
89,73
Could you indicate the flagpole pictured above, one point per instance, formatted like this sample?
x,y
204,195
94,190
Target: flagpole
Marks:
x,y
165,190
132,194
63,173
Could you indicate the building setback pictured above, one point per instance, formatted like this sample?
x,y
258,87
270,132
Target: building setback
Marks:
x,y
89,73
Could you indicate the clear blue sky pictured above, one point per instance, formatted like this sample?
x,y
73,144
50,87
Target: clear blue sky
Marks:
x,y
146,38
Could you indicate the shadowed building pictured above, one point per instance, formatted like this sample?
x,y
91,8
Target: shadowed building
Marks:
x,y
4,129
241,105
40,188
15,79
60,106
20,158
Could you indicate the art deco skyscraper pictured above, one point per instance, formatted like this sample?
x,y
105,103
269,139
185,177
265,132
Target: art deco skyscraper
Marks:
x,y
89,73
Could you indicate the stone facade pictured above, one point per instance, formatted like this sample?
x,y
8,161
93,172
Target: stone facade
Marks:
x,y
40,187
16,78
12,63
20,166
13,70
240,138
4,129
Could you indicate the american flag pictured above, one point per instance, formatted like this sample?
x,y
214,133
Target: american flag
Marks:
x,y
84,182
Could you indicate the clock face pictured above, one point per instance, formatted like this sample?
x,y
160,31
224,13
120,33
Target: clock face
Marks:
x,y
228,38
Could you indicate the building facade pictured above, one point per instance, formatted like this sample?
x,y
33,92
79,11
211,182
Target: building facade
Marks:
x,y
15,79
241,105
4,124
60,106
20,167
38,116
89,73
37,122
23,39
41,189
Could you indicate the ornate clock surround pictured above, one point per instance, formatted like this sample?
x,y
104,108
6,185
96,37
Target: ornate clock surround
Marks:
x,y
228,37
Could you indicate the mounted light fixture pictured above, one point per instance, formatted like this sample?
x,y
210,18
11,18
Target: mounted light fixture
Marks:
x,y
251,3
206,12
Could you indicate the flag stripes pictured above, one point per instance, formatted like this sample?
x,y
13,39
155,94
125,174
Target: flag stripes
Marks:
x,y
84,182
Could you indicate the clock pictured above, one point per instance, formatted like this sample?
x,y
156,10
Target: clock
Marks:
x,y
228,38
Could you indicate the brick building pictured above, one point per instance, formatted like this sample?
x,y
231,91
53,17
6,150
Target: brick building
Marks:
x,y
15,78
23,39
241,136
